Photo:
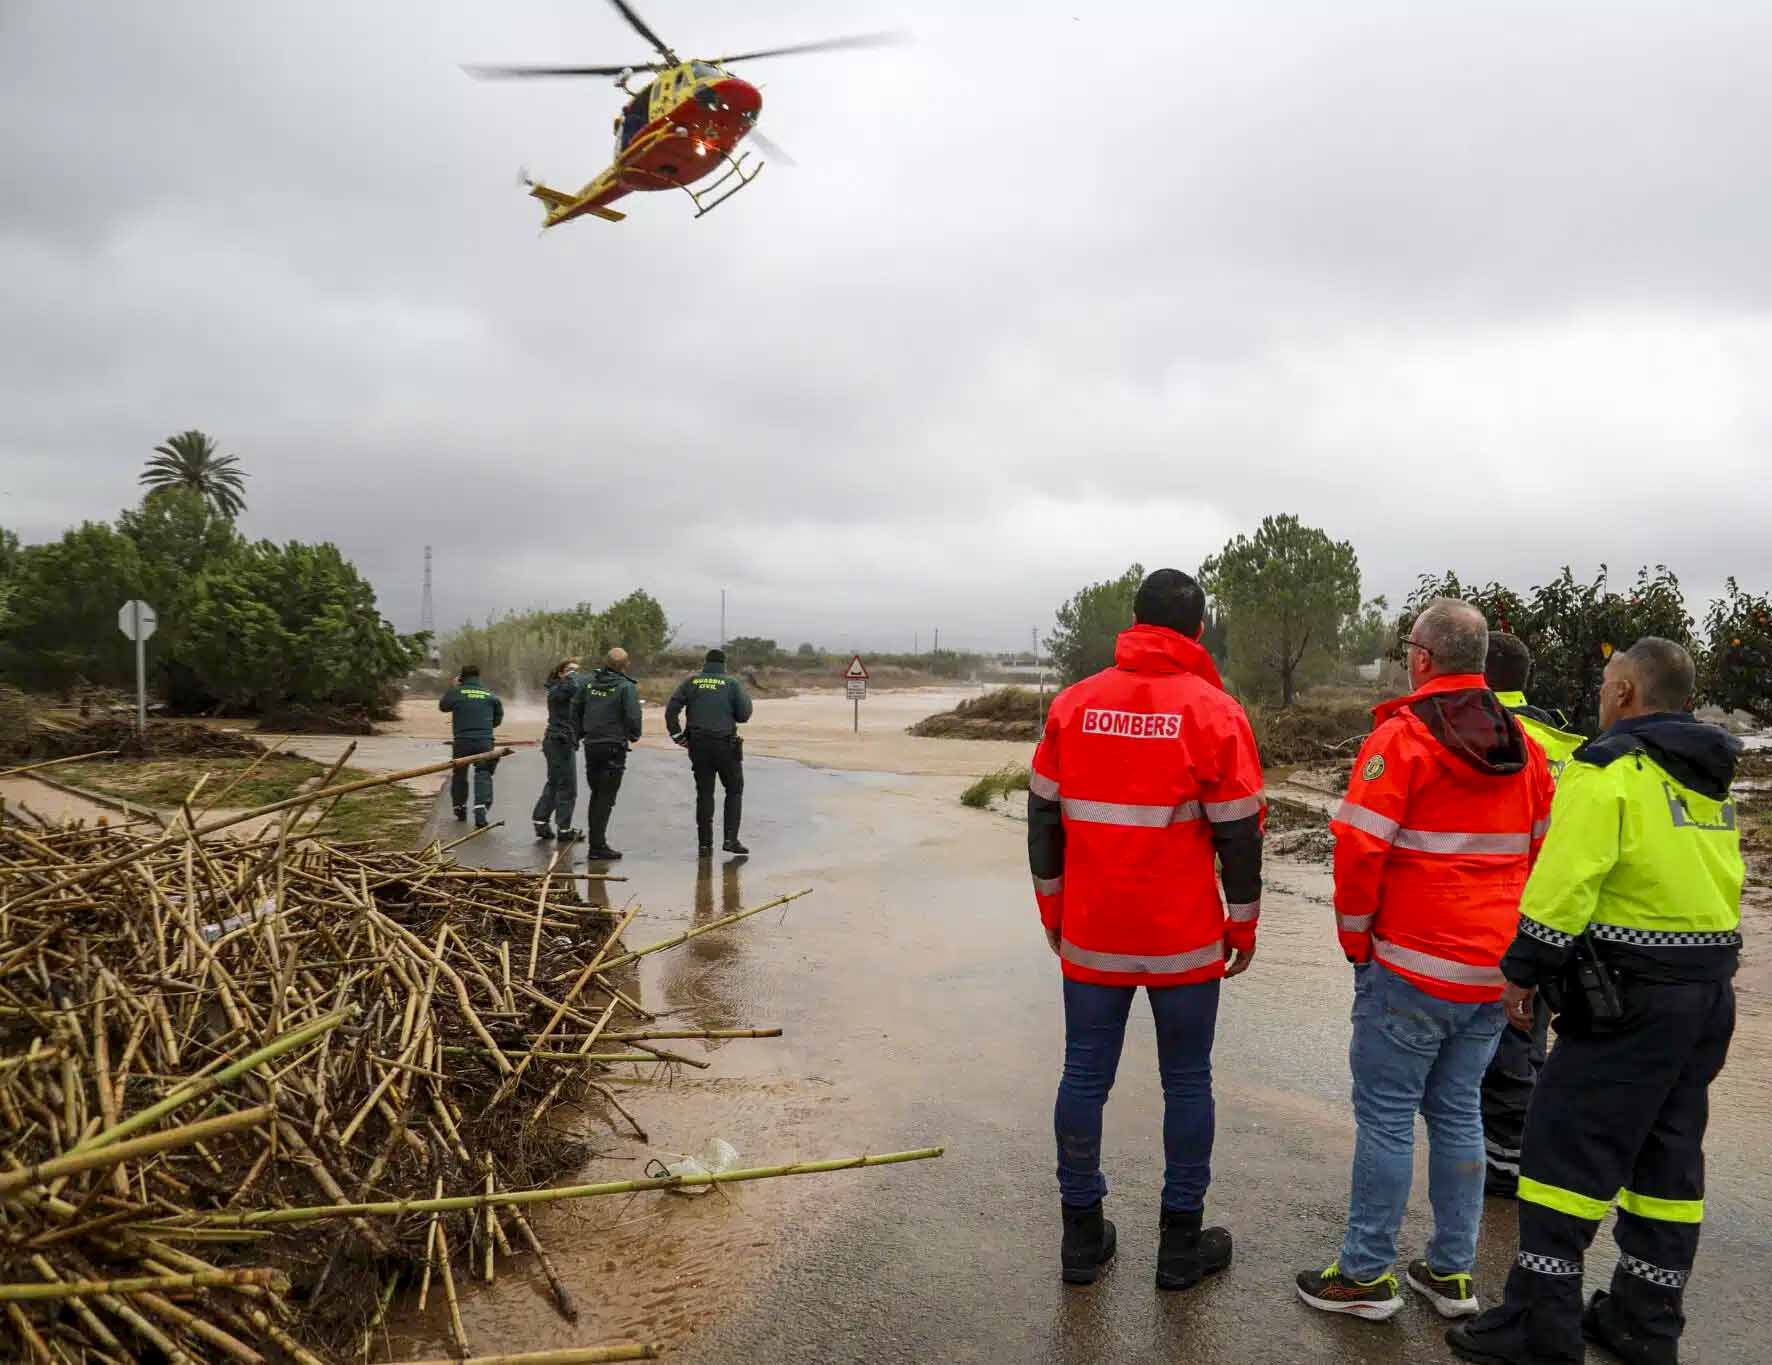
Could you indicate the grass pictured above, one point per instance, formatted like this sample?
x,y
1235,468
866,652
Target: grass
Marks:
x,y
1013,778
390,815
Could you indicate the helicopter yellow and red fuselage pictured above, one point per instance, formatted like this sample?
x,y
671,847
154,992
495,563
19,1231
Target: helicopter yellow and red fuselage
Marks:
x,y
677,130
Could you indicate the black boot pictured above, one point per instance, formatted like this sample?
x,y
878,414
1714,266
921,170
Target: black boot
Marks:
x,y
1607,1328
1500,1337
543,830
1089,1242
1187,1252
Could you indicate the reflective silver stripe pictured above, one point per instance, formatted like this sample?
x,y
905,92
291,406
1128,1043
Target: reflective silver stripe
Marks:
x,y
1438,968
1540,828
1220,812
1655,1274
1548,1265
1355,924
1042,786
1241,912
1048,886
1367,820
1119,813
1136,962
1450,841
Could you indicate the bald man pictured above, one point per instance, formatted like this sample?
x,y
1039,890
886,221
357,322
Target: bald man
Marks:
x,y
607,714
1631,925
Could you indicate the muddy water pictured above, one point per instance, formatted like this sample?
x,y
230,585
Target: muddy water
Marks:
x,y
921,1006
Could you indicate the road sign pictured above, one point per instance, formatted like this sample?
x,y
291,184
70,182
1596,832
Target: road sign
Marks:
x,y
137,620
857,670
858,689
855,683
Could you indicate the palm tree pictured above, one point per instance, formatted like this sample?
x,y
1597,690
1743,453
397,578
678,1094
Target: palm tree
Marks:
x,y
189,460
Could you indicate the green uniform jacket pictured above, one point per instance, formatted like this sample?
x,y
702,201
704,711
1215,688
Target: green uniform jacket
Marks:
x,y
475,710
1644,850
562,703
607,710
1559,745
716,702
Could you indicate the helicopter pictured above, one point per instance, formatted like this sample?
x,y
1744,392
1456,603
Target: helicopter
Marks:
x,y
681,126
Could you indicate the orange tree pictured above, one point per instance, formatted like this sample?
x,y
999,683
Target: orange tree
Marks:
x,y
1736,672
1571,627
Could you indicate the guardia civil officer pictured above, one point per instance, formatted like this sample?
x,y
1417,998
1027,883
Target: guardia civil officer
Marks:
x,y
559,746
1519,1056
607,718
1642,871
474,712
717,705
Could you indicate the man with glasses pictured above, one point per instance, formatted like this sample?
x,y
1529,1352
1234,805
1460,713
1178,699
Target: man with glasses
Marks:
x,y
1445,811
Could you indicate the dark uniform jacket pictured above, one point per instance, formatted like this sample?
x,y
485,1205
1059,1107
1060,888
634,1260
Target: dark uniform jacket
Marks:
x,y
716,702
562,694
475,710
607,710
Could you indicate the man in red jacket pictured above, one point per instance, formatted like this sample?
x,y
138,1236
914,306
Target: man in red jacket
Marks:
x,y
1445,812
1146,776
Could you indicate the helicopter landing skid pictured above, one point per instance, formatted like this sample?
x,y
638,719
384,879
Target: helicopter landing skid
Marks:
x,y
710,196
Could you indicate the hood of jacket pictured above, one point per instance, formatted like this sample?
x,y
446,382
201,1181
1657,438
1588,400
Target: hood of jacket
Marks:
x,y
1466,720
1157,649
605,675
1700,756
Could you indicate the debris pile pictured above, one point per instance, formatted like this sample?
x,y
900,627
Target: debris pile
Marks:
x,y
250,1090
1006,713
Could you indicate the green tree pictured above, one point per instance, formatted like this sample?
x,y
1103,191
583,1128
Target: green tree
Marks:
x,y
273,625
750,651
807,650
192,460
10,554
1736,672
637,623
1286,592
1370,633
1571,627
63,610
1082,643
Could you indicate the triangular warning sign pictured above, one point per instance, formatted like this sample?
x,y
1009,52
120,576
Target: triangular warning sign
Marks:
x,y
856,669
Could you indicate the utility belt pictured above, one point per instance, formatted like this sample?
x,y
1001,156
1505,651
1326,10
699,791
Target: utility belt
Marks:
x,y
710,737
1587,996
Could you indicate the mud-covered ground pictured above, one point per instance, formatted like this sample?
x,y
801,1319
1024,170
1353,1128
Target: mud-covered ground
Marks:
x,y
921,1006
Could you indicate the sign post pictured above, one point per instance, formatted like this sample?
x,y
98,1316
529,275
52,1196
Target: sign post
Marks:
x,y
137,620
855,682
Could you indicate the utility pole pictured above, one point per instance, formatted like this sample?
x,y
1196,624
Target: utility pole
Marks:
x,y
916,642
936,649
722,619
427,614
1042,668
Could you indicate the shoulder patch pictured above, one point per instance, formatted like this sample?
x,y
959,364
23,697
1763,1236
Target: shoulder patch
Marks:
x,y
1374,768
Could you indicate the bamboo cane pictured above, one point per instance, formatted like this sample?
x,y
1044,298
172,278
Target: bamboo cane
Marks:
x,y
88,1158
455,1203
572,1355
68,1289
57,762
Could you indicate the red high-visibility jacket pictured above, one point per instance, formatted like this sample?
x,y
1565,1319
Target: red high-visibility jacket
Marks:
x,y
1147,771
1444,815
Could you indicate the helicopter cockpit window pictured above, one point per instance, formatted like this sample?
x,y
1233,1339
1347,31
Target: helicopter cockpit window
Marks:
x,y
636,116
703,72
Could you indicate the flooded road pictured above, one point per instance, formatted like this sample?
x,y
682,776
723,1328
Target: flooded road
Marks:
x,y
921,1006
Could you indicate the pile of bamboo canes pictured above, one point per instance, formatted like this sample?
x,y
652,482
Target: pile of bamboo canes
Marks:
x,y
251,1089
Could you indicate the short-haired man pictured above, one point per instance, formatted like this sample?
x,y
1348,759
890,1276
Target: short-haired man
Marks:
x,y
606,715
1445,810
475,712
1519,1056
1147,775
1642,874
716,705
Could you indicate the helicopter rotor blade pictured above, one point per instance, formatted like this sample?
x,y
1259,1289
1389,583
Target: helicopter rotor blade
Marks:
x,y
639,26
773,150
507,73
889,38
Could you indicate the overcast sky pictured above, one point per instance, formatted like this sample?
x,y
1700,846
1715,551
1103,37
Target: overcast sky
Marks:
x,y
1053,289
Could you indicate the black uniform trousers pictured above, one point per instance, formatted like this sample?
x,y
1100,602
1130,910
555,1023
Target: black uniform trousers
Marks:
x,y
1507,1091
1619,1115
560,794
722,757
606,763
458,777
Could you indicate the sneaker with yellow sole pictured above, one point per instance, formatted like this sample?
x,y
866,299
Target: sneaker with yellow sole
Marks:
x,y
1453,1296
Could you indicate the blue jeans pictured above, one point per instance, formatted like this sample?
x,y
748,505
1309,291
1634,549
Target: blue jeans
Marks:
x,y
1411,1052
1094,1029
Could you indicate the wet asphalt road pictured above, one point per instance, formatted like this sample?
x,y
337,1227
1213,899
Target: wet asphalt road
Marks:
x,y
921,1006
